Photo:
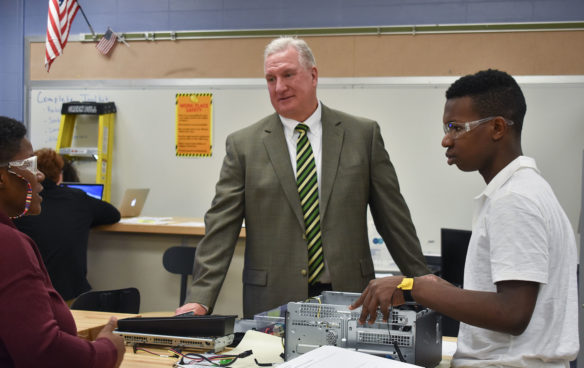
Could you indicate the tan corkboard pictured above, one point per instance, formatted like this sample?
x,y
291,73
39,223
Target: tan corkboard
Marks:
x,y
519,53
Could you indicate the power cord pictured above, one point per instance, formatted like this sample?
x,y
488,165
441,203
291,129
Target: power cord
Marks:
x,y
392,341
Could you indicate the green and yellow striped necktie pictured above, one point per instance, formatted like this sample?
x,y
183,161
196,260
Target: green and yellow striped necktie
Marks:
x,y
306,179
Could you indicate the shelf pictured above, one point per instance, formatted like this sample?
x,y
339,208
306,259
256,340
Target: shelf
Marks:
x,y
80,151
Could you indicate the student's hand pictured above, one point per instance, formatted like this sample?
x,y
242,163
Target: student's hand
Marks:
x,y
117,340
380,293
196,308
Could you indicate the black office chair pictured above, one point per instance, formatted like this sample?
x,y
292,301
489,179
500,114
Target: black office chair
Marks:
x,y
116,301
180,260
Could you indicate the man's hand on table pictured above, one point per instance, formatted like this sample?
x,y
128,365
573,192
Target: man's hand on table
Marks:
x,y
196,308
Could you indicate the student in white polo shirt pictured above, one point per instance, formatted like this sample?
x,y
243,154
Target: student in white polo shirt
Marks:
x,y
519,306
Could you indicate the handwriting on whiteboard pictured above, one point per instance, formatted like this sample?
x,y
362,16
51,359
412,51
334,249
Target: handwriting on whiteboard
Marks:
x,y
45,112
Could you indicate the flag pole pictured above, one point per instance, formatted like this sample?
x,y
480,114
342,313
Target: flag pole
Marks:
x,y
87,21
123,39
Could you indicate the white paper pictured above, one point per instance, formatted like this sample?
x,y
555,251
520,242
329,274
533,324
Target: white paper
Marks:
x,y
146,220
266,349
448,348
334,357
191,224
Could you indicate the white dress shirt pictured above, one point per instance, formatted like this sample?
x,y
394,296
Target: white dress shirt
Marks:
x,y
314,135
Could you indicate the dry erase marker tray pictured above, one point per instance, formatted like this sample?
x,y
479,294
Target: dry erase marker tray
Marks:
x,y
211,325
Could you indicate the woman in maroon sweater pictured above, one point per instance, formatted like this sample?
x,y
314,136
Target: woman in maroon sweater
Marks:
x,y
36,326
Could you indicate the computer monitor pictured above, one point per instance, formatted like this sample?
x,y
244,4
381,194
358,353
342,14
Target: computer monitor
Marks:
x,y
453,245
92,190
434,263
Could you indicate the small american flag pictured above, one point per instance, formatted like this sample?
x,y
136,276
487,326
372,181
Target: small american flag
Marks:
x,y
61,15
107,42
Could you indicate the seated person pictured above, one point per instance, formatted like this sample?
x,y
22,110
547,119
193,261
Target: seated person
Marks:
x,y
61,231
36,326
519,305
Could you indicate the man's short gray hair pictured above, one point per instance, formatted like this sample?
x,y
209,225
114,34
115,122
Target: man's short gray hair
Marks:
x,y
305,56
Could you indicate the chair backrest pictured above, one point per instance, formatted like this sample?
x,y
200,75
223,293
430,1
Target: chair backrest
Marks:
x,y
116,301
180,260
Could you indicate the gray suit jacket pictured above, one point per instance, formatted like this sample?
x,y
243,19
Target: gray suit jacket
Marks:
x,y
257,183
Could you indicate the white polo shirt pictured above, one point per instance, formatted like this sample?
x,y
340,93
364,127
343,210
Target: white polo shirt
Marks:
x,y
520,232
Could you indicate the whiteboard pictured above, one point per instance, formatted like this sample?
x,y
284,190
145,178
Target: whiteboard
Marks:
x,y
409,111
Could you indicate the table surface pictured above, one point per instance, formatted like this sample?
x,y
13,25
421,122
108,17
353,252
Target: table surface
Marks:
x,y
89,323
172,226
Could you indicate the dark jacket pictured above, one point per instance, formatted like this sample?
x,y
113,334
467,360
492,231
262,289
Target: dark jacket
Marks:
x,y
61,232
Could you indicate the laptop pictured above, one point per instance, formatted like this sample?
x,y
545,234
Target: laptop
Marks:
x,y
92,190
133,202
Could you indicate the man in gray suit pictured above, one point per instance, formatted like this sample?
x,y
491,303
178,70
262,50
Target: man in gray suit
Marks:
x,y
258,183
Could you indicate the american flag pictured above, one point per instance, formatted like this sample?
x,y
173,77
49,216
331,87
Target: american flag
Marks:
x,y
61,15
107,42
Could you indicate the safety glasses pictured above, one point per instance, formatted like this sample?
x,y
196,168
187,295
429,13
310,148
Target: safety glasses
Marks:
x,y
456,130
29,164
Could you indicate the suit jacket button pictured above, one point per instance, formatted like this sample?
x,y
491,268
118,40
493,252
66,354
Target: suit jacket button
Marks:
x,y
303,272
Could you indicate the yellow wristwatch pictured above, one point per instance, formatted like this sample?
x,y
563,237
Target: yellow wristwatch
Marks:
x,y
406,287
406,284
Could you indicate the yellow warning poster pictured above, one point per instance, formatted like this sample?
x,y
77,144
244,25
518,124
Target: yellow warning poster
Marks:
x,y
194,122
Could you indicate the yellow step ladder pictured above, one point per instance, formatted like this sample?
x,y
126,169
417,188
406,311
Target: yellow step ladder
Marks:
x,y
105,112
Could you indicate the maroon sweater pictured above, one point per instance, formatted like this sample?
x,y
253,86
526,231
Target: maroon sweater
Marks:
x,y
36,326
